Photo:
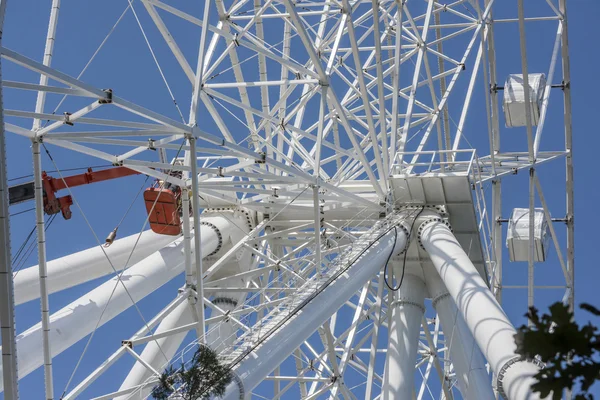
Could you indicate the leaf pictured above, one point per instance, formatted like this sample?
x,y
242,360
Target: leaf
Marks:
x,y
569,351
589,308
202,378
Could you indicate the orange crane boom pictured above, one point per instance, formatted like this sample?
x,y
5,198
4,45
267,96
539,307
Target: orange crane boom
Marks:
x,y
54,204
162,200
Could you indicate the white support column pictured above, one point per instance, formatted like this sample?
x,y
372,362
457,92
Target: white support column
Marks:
x,y
407,309
197,239
39,207
187,238
258,364
490,326
469,364
158,353
317,226
42,268
78,319
110,360
496,277
7,305
222,334
89,264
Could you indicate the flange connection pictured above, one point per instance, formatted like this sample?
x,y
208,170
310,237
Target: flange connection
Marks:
x,y
510,363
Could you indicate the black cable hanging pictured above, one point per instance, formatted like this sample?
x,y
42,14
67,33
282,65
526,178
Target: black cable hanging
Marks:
x,y
405,251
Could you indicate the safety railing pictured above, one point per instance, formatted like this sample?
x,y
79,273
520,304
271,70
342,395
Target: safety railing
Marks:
x,y
434,161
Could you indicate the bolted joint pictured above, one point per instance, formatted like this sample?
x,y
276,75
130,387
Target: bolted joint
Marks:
x,y
383,212
219,236
430,221
189,136
433,214
407,302
438,297
240,384
109,97
510,363
262,158
570,219
127,343
67,120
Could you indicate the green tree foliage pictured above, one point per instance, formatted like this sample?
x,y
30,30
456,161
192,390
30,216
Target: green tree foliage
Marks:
x,y
203,378
571,352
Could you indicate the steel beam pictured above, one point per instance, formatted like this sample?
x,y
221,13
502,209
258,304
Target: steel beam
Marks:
x,y
7,304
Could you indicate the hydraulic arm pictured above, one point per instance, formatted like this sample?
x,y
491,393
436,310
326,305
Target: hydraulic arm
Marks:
x,y
54,204
163,200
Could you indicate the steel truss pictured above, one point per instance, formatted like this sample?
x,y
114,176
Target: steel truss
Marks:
x,y
303,118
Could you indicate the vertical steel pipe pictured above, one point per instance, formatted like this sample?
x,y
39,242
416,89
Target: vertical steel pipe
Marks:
x,y
42,268
39,205
197,238
407,309
7,305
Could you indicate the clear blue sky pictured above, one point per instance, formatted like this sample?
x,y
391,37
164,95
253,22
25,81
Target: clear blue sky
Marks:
x,y
125,64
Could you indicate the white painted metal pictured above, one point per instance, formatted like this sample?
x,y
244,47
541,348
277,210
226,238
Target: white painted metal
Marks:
x,y
7,304
40,226
81,317
570,205
487,321
89,264
311,172
407,309
187,238
158,353
253,369
121,351
198,248
222,334
469,364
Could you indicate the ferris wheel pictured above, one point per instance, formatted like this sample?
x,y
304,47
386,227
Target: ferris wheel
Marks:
x,y
343,199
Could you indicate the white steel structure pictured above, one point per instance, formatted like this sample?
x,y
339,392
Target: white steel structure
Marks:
x,y
346,179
